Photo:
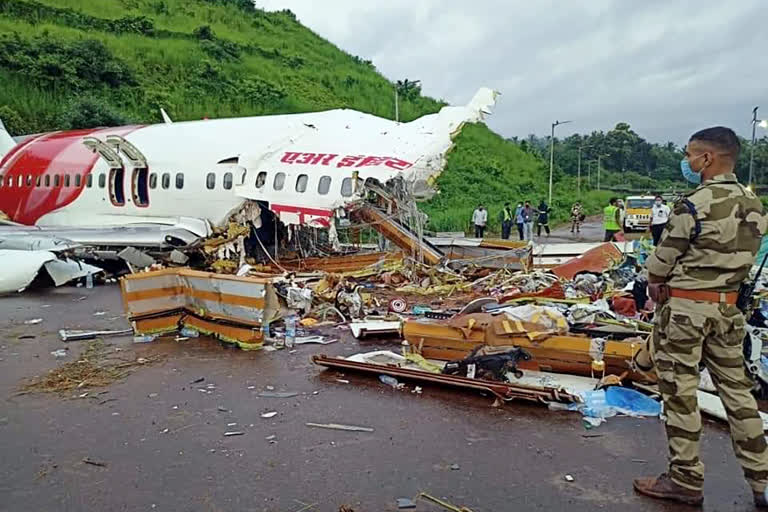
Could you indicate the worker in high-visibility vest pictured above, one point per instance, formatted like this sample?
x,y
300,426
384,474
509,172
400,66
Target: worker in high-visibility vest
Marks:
x,y
505,218
611,219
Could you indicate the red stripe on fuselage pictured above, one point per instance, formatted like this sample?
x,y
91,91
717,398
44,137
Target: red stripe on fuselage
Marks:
x,y
321,217
54,154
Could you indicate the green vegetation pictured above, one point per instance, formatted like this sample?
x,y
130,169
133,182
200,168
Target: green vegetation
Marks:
x,y
199,58
632,162
485,168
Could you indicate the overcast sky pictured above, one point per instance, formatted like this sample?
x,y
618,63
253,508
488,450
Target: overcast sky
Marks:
x,y
666,67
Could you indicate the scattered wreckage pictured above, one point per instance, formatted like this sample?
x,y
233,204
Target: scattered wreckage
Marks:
x,y
515,334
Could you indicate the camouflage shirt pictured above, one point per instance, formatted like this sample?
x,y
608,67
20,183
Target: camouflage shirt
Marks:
x,y
731,224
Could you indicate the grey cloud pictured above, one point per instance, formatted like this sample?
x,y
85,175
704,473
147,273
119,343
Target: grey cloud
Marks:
x,y
667,68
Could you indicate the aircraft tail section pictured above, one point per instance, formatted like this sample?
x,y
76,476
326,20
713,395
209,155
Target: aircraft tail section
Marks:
x,y
6,141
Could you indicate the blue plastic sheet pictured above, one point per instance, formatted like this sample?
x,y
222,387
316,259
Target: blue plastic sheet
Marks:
x,y
617,400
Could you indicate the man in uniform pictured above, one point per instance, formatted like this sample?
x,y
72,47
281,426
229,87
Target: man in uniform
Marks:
x,y
709,245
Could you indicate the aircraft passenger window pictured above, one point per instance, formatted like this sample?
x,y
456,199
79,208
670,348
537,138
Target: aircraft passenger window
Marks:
x,y
47,180
179,180
56,180
227,180
261,179
210,181
166,182
29,180
66,180
102,180
279,181
153,180
301,183
37,181
78,180
1,181
9,181
346,187
89,181
324,185
21,180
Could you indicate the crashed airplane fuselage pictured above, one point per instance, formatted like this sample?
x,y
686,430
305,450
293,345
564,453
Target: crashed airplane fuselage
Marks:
x,y
194,175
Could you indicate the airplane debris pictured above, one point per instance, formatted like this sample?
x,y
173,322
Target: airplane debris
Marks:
x,y
336,426
136,258
67,335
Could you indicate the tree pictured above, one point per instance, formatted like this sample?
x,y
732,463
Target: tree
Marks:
x,y
408,90
90,113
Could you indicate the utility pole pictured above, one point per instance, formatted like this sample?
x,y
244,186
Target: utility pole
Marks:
x,y
752,147
397,108
579,172
598,170
552,155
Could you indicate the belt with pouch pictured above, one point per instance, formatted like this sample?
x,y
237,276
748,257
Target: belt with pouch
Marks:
x,y
705,295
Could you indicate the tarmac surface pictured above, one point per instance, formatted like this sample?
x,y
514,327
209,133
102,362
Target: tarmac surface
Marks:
x,y
161,437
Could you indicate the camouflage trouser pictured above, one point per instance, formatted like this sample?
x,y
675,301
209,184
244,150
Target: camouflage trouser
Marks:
x,y
686,333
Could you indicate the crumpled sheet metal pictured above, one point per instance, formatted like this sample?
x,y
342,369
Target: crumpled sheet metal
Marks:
x,y
232,307
18,268
598,259
570,353
533,321
502,390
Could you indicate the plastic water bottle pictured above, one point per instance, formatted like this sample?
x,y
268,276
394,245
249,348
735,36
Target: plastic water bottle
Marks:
x,y
290,331
389,381
89,280
144,338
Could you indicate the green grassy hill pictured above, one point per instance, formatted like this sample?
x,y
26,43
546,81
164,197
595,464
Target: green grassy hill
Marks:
x,y
79,63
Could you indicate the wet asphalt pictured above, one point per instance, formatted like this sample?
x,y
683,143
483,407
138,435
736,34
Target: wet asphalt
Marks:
x,y
161,439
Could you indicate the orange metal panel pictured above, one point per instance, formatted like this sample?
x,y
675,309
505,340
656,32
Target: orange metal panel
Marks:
x,y
597,259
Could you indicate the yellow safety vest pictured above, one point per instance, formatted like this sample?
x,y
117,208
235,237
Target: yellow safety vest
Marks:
x,y
609,219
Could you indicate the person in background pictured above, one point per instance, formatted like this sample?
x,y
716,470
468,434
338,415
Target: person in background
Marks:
x,y
520,221
611,219
694,275
506,217
622,213
528,215
544,210
576,217
659,217
479,219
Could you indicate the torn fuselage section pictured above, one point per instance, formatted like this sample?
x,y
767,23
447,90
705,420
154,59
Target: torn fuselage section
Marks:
x,y
320,179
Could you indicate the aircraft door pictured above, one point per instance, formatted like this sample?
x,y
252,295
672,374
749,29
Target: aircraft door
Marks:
x,y
140,187
116,186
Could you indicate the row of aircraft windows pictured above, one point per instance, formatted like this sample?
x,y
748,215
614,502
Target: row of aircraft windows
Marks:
x,y
58,180
278,183
302,180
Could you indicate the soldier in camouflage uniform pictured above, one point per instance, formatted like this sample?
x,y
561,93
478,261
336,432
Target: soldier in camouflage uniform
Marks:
x,y
705,253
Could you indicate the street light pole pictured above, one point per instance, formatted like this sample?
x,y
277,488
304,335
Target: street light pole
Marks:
x,y
397,108
579,172
752,147
552,155
598,170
